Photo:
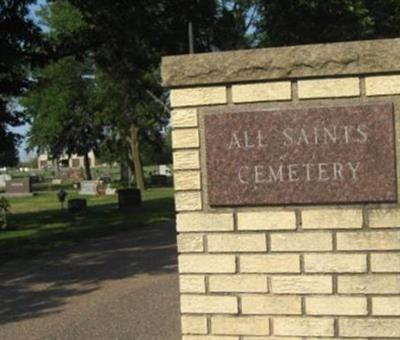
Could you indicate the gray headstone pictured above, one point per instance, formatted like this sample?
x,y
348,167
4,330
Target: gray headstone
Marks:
x,y
88,188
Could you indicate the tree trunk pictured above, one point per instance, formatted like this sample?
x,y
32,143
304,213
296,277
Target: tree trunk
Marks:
x,y
86,162
4,222
126,170
56,168
137,162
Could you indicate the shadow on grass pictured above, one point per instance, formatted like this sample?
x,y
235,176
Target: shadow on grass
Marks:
x,y
41,285
44,230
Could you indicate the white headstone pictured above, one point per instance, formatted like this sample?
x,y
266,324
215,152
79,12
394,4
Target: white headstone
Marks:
x,y
3,179
88,188
164,170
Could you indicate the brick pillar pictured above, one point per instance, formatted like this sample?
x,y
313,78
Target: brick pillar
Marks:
x,y
297,272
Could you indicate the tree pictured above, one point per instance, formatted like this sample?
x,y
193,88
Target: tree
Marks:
x,y
128,120
21,45
59,105
234,24
59,109
127,40
291,22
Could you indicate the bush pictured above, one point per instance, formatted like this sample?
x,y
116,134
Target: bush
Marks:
x,y
4,209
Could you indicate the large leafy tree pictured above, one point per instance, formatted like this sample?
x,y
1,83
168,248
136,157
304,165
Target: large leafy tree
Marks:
x,y
20,46
59,105
59,108
127,40
291,22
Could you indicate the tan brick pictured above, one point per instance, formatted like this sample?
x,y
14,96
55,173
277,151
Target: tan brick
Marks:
x,y
385,263
386,306
198,96
369,284
188,201
382,85
187,180
207,263
381,327
336,305
190,243
311,241
192,284
271,220
186,160
329,88
240,325
303,326
260,92
384,218
238,283
185,138
184,118
334,338
209,337
270,263
274,338
256,304
209,304
332,219
204,222
335,263
301,284
236,242
194,324
374,240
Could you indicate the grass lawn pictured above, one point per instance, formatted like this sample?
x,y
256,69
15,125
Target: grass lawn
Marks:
x,y
37,223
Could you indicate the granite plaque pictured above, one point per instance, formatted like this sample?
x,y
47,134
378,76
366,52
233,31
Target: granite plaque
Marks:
x,y
19,186
301,156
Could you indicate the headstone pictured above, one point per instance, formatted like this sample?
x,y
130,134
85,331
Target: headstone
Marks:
x,y
56,181
129,198
77,205
88,188
164,170
19,187
3,179
71,174
110,191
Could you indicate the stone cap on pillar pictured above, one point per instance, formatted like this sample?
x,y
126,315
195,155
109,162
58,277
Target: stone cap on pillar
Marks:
x,y
294,62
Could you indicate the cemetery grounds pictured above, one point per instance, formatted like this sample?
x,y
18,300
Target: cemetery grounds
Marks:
x,y
39,224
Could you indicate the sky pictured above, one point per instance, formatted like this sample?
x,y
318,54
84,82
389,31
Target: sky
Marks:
x,y
22,130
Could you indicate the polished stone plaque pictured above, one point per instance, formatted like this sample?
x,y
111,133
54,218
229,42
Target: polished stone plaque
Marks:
x,y
322,155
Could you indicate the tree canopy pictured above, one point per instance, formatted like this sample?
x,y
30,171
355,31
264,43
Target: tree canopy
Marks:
x,y
291,22
60,110
20,45
120,44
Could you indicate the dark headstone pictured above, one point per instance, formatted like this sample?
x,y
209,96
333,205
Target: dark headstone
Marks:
x,y
128,198
77,205
20,186
301,156
159,180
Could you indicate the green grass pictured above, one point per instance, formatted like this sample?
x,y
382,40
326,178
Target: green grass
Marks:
x,y
37,223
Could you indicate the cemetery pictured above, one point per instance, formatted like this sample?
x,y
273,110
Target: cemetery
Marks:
x,y
38,223
200,170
